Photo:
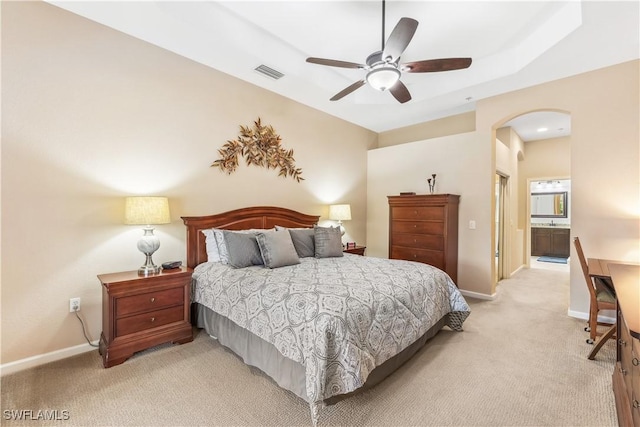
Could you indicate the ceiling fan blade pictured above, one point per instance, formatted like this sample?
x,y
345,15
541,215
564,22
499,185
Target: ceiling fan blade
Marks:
x,y
434,65
346,91
399,39
335,63
400,92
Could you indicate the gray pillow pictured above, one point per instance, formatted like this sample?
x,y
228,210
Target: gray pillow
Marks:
x,y
302,239
328,242
277,249
242,248
223,253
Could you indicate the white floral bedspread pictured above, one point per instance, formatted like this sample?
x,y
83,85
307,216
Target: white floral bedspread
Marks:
x,y
338,317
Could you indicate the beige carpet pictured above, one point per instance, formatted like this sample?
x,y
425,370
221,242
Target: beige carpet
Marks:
x,y
520,362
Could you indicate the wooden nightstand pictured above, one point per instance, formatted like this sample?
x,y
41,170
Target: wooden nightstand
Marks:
x,y
358,250
139,312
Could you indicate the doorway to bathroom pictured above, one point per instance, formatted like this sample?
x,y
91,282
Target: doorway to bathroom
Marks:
x,y
550,223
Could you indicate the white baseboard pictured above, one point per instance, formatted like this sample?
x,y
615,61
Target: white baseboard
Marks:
x,y
518,269
41,359
477,295
585,316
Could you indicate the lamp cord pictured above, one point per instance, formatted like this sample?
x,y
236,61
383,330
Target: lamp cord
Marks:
x,y
84,332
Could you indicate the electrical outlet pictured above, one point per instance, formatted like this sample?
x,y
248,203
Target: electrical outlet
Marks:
x,y
74,305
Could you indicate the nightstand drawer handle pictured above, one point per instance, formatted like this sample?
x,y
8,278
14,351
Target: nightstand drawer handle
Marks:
x,y
635,361
415,225
622,342
153,299
623,371
153,319
636,404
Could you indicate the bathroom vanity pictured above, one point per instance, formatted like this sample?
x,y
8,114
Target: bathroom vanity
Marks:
x,y
550,240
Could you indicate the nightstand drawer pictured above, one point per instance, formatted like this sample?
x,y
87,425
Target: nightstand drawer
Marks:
x,y
149,301
418,212
153,319
418,227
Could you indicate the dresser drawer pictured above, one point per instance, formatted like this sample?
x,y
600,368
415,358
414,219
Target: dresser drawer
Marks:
x,y
417,227
625,343
435,258
635,407
126,306
431,241
634,381
418,212
152,319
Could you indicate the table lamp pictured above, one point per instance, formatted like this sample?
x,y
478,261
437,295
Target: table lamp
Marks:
x,y
147,211
340,213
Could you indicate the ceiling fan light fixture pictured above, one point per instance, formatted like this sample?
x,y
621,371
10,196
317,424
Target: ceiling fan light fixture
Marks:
x,y
383,78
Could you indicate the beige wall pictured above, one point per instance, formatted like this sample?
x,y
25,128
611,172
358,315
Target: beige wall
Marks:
x,y
605,167
605,158
406,167
90,116
452,125
509,148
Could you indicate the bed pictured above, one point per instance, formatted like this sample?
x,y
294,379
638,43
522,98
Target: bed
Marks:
x,y
323,328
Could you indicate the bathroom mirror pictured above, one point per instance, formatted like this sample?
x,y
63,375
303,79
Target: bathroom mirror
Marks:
x,y
549,205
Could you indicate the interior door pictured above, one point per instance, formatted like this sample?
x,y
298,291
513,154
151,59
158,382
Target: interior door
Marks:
x,y
501,225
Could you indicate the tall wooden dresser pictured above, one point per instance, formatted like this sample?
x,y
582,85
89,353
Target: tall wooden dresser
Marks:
x,y
424,228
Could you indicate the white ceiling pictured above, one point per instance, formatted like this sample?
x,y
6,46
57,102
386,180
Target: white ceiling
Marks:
x,y
513,44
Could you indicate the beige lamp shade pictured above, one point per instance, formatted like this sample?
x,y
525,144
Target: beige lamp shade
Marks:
x,y
340,212
147,210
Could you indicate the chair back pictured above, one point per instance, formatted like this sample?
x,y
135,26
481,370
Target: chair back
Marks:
x,y
585,268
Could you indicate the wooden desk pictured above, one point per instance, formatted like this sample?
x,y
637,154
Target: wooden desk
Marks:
x,y
626,375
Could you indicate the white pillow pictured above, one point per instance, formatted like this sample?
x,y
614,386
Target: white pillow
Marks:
x,y
213,254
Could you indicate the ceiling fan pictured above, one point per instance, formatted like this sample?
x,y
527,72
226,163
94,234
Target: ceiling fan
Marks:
x,y
383,67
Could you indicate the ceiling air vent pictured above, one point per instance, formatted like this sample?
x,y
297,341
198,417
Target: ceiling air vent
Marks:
x,y
269,72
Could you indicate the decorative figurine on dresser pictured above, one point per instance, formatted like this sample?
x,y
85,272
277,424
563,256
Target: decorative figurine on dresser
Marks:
x,y
424,228
142,311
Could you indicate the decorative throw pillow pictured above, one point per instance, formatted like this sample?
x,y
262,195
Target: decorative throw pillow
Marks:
x,y
302,240
242,248
328,242
213,255
277,249
222,247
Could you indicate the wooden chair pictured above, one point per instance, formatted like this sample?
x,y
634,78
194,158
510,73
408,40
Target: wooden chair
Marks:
x,y
601,297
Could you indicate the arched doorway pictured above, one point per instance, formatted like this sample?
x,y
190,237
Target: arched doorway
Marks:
x,y
530,145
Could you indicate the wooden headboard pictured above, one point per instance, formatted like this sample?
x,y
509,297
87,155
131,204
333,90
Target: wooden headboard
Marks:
x,y
239,219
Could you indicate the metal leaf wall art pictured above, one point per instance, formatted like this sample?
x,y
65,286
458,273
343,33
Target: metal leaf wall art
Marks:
x,y
260,146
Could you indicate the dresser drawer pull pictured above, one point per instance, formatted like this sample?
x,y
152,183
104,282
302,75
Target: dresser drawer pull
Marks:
x,y
636,404
153,319
635,361
415,225
622,342
623,371
415,256
153,299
